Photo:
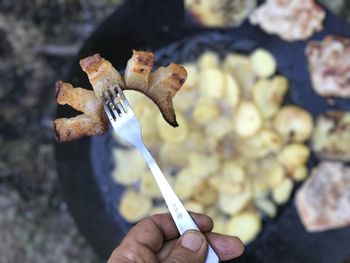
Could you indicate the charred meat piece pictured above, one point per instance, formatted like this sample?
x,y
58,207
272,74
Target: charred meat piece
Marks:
x,y
323,202
291,20
331,136
329,66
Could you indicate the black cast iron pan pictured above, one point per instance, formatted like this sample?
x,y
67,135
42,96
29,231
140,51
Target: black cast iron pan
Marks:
x,y
161,26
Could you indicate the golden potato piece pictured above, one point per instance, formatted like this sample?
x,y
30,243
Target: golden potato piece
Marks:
x,y
241,68
230,180
265,142
232,204
266,206
263,63
184,100
281,193
293,123
203,165
208,59
247,119
273,171
124,173
293,155
205,111
156,210
299,173
192,76
147,113
268,95
133,206
219,128
185,183
204,194
232,92
193,206
148,186
212,82
171,134
245,225
172,154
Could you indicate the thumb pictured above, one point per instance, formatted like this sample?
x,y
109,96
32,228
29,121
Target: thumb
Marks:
x,y
191,248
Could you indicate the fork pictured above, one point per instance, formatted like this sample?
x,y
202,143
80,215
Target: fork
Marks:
x,y
127,126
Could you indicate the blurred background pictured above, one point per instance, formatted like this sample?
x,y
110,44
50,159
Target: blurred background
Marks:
x,y
38,40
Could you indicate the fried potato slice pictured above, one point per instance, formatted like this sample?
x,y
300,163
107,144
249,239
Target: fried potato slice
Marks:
x,y
266,206
194,206
192,76
232,91
208,59
282,192
185,183
299,173
293,123
247,119
204,194
172,154
263,62
273,171
245,225
268,94
205,111
241,68
218,128
230,180
148,186
129,167
264,143
293,155
233,204
203,165
156,210
211,82
171,134
133,206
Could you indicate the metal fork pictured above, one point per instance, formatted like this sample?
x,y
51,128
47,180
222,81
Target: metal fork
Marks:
x,y
127,126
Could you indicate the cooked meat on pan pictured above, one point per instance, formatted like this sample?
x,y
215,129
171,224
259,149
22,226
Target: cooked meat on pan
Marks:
x,y
329,66
160,86
291,20
323,202
331,136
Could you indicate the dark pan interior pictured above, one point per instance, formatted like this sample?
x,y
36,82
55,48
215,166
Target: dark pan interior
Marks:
x,y
84,166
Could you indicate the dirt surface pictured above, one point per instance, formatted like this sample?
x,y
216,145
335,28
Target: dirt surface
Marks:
x,y
38,39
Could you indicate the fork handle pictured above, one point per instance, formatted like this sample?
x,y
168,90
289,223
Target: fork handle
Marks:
x,y
181,217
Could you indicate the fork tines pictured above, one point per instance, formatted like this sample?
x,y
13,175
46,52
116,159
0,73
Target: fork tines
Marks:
x,y
115,102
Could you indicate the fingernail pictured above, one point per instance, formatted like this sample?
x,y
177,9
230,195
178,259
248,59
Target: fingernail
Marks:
x,y
192,241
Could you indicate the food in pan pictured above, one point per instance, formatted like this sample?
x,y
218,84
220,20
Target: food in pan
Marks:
x,y
323,202
329,66
234,156
160,86
331,136
220,13
291,20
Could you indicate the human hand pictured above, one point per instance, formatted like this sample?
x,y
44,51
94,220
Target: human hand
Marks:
x,y
156,239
